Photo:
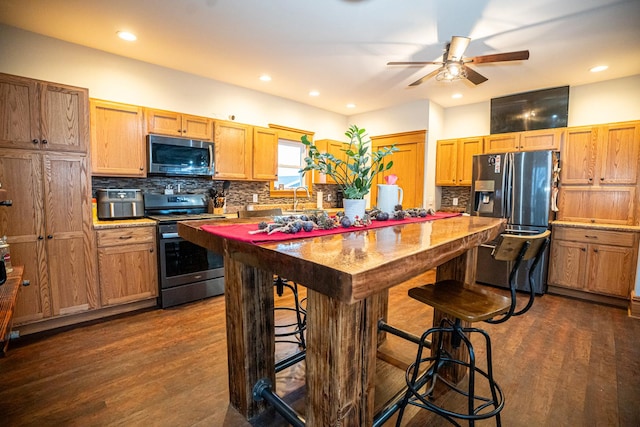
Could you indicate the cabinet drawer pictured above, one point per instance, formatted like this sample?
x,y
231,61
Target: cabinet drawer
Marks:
x,y
587,235
125,236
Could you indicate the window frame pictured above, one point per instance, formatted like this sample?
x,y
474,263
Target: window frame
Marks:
x,y
293,136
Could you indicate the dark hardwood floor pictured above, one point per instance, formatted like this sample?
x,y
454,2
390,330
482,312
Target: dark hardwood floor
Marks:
x,y
565,363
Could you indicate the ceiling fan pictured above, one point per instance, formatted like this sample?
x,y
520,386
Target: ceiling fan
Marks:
x,y
454,64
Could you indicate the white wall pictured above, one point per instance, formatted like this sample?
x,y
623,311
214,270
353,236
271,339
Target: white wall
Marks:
x,y
119,79
610,101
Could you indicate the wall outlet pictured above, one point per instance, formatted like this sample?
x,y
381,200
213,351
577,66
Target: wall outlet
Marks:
x,y
328,197
455,201
255,198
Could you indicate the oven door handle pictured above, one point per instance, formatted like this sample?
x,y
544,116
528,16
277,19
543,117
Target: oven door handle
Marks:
x,y
169,235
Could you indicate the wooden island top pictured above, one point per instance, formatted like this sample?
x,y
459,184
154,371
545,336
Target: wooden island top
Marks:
x,y
347,276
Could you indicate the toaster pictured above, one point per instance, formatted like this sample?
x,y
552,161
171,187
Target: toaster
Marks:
x,y
120,203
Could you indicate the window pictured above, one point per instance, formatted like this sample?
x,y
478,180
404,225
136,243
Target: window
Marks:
x,y
291,154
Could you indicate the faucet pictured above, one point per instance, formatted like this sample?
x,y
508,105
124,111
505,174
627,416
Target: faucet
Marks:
x,y
295,196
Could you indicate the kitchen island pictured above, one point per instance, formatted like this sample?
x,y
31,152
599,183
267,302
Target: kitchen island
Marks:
x,y
347,276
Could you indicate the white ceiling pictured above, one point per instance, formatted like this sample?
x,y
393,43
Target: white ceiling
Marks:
x,y
340,47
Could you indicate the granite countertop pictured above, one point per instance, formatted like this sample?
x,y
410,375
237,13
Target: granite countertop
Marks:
x,y
609,227
122,223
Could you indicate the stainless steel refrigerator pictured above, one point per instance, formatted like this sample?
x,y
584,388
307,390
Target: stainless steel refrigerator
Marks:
x,y
520,187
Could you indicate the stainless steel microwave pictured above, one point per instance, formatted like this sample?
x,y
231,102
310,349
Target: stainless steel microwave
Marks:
x,y
179,156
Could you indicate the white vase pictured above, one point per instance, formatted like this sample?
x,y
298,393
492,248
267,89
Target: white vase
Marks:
x,y
353,208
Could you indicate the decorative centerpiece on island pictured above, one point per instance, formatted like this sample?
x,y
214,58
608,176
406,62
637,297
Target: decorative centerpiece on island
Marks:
x,y
356,173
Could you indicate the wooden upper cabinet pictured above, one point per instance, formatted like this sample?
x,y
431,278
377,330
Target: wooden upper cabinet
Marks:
x,y
578,155
408,165
601,155
42,115
65,111
336,148
544,139
118,144
454,160
502,142
265,154
233,151
178,124
620,144
446,162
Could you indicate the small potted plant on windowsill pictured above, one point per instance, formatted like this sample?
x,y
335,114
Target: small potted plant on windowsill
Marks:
x,y
356,173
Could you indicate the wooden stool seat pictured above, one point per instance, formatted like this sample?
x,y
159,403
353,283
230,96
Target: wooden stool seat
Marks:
x,y
470,304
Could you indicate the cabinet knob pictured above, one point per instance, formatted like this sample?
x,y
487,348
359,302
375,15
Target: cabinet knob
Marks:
x,y
141,168
40,237
35,141
590,179
151,250
49,236
602,179
44,141
595,250
583,249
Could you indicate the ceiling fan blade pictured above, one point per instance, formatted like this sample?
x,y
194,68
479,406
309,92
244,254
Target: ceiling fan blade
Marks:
x,y
501,57
474,77
413,63
457,47
425,78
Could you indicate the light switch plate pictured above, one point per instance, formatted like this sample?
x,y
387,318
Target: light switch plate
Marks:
x,y
255,198
455,201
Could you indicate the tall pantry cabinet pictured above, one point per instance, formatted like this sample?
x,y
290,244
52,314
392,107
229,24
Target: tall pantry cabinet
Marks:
x,y
44,134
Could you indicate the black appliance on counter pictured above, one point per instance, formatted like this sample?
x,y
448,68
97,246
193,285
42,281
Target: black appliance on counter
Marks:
x,y
119,203
186,272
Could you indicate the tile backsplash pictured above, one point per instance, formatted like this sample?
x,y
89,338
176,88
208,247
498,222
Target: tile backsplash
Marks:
x,y
240,192
462,193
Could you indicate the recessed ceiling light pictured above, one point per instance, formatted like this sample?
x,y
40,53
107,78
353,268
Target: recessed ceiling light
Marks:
x,y
599,68
456,96
314,93
125,35
351,105
265,78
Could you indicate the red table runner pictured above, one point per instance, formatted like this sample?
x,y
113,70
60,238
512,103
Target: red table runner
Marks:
x,y
241,231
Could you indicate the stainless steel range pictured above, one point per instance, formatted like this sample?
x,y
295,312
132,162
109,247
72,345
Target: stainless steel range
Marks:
x,y
187,272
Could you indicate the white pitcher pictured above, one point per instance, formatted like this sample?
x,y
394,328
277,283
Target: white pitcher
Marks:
x,y
388,197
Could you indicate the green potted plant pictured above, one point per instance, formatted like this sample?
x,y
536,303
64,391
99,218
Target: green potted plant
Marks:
x,y
356,173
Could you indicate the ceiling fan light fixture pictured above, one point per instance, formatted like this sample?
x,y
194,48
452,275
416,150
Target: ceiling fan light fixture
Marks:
x,y
452,71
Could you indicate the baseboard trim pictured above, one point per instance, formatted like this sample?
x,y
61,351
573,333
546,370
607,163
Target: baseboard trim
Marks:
x,y
87,316
588,296
634,306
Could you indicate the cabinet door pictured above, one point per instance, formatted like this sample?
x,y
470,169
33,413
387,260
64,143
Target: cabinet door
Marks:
x,y
117,139
265,154
545,139
600,205
408,165
196,127
69,235
568,264
610,269
446,162
502,143
23,224
19,112
164,122
233,150
65,111
619,153
579,155
127,273
467,148
334,148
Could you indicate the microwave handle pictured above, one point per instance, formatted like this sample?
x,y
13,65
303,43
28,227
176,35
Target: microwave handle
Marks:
x,y
211,157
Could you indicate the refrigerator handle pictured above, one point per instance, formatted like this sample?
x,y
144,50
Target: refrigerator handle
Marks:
x,y
507,185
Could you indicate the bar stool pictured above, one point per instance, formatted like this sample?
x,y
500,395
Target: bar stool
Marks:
x,y
466,305
298,327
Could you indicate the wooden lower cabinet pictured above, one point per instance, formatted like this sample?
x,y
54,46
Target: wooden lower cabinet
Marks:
x,y
127,264
49,229
594,261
